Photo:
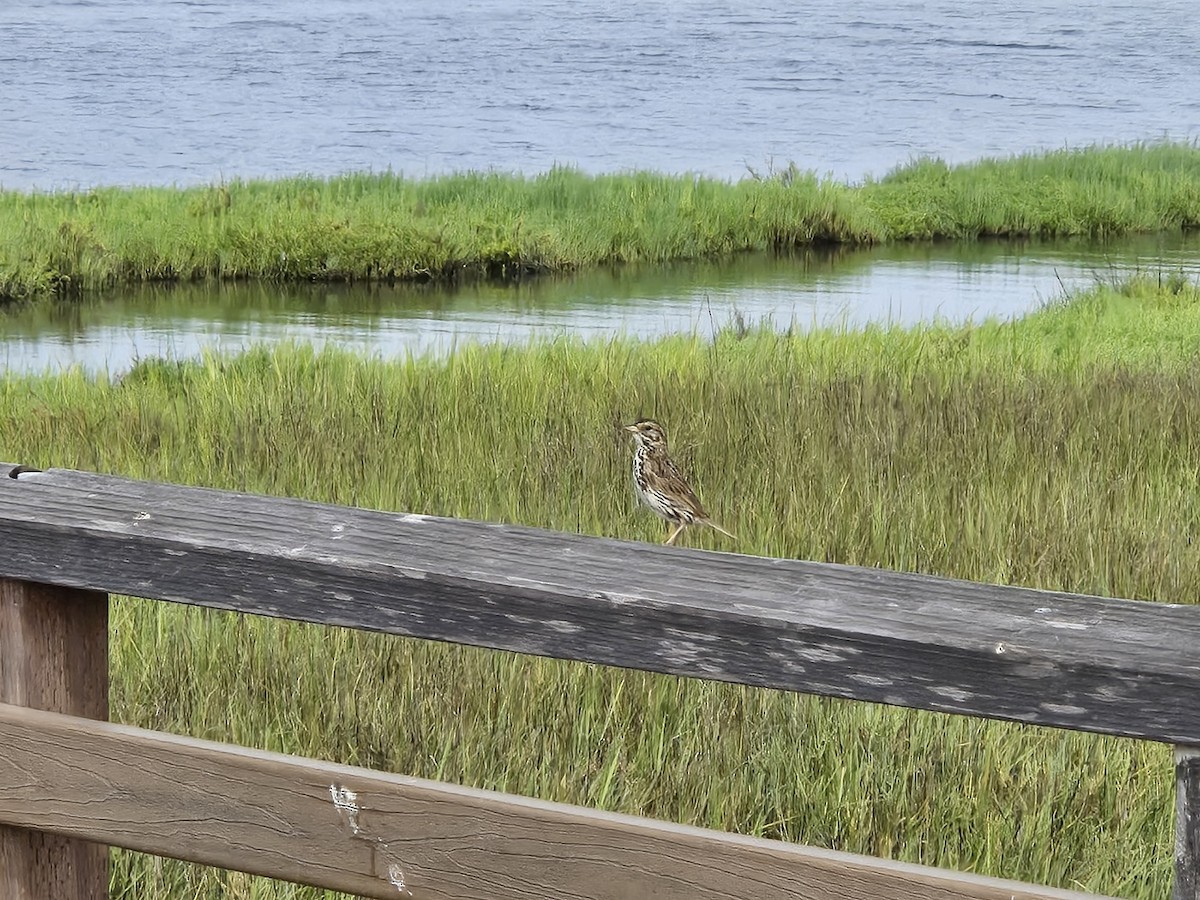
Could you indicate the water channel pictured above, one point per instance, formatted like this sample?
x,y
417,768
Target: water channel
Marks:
x,y
903,284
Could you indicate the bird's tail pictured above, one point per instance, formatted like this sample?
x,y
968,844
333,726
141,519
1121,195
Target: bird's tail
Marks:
x,y
711,524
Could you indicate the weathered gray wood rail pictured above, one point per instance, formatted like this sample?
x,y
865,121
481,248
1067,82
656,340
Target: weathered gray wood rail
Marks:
x,y
1084,663
1187,823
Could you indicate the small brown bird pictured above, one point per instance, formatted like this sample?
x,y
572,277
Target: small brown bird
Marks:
x,y
660,485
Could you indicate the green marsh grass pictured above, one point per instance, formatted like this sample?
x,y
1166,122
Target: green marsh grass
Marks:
x,y
1058,451
385,227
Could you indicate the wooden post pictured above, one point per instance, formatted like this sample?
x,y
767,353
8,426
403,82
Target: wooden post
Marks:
x,y
54,657
1187,824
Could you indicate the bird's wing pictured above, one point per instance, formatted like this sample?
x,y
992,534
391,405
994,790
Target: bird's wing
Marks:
x,y
669,480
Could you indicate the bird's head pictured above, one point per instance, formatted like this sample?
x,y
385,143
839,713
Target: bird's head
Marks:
x,y
648,433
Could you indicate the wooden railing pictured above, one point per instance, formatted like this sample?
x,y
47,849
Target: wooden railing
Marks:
x,y
72,783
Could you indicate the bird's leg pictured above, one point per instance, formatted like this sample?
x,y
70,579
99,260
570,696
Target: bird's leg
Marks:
x,y
675,533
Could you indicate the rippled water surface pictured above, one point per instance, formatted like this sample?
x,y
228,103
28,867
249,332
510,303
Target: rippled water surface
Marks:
x,y
114,91
904,284
185,91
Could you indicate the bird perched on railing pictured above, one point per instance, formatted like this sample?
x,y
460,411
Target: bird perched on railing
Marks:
x,y
660,485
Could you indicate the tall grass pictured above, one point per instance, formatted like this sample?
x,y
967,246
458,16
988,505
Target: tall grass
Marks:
x,y
1016,453
387,227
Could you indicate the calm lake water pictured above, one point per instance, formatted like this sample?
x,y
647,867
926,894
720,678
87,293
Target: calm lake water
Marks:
x,y
183,91
904,284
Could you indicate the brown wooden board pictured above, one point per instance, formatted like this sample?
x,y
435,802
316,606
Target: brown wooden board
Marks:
x,y
390,836
53,656
1084,663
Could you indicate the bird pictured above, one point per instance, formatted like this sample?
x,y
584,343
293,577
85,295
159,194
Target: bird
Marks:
x,y
660,485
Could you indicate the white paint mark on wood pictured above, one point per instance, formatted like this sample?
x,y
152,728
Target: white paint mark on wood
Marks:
x,y
344,597
338,532
684,652
1001,648
615,598
958,695
141,517
1064,709
396,879
413,518
345,801
816,654
692,636
871,680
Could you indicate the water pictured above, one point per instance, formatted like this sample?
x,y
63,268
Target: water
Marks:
x,y
903,284
119,92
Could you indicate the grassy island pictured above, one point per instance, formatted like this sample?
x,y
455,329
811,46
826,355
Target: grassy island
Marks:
x,y
1059,451
385,227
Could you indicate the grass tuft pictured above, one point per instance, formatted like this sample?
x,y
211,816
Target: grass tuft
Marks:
x,y
386,228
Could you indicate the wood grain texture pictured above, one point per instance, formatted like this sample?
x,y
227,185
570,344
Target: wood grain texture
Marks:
x,y
1187,824
390,836
1085,663
53,656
